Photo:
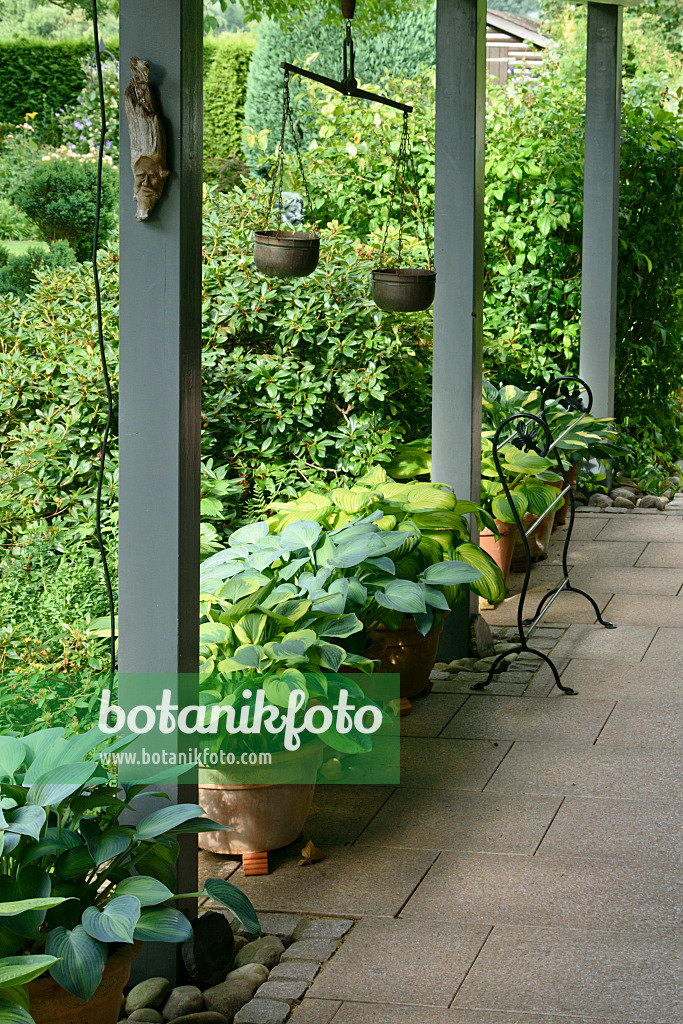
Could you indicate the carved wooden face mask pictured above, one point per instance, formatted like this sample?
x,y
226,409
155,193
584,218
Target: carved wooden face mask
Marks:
x,y
147,139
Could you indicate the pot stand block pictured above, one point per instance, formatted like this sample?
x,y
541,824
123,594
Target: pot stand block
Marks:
x,y
404,707
255,863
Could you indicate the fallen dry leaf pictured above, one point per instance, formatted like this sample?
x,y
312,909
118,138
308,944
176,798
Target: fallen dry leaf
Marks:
x,y
310,854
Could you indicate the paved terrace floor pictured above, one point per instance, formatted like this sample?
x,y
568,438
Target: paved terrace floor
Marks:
x,y
527,870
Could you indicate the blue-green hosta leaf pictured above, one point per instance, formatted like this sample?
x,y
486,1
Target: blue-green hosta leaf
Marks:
x,y
342,627
436,599
37,743
116,922
56,785
292,610
450,573
147,890
285,572
14,907
278,688
243,586
283,592
383,563
402,596
286,649
81,959
19,970
250,655
31,883
13,1013
500,506
302,534
331,656
236,902
356,592
250,534
104,846
162,924
491,586
166,819
424,622
12,756
26,821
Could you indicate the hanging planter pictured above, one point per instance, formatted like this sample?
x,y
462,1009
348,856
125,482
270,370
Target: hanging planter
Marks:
x,y
282,253
398,289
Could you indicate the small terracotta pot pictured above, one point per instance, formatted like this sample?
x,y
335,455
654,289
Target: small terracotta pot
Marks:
x,y
51,1004
500,550
409,653
262,817
563,509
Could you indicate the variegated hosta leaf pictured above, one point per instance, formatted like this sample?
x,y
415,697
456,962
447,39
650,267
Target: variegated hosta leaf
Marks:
x,y
502,511
491,585
428,497
413,538
374,476
539,496
351,499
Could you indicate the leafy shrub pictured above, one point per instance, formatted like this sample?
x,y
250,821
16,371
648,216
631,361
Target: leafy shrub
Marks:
x,y
305,380
60,196
225,88
17,273
14,223
402,48
42,76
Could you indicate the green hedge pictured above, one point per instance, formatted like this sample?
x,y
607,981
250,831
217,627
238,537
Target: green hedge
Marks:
x,y
226,66
39,75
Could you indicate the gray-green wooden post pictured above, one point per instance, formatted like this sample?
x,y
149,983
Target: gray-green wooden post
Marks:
x,y
459,260
601,203
160,385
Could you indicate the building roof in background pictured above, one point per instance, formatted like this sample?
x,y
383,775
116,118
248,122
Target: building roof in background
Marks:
x,y
524,29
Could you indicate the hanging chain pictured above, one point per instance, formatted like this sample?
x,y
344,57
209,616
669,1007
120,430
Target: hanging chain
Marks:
x,y
405,163
279,172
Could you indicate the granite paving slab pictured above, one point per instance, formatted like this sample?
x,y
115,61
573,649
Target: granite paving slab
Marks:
x,y
315,1011
430,714
494,889
616,976
585,528
611,580
397,961
382,1013
592,552
595,771
666,650
643,527
463,682
662,556
621,680
645,610
449,764
340,813
530,718
625,642
632,831
646,723
567,608
348,883
454,820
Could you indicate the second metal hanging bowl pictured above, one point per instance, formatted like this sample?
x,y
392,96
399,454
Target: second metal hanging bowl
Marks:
x,y
403,289
286,253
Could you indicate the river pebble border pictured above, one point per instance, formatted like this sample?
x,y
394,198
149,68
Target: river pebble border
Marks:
x,y
268,978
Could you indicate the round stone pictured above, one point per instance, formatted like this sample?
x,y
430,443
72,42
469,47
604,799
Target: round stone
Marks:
x,y
266,951
148,994
183,1000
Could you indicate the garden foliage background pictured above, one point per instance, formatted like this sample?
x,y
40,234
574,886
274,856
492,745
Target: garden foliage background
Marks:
x,y
306,381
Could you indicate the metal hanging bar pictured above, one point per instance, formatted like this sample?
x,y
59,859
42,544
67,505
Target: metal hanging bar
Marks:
x,y
347,88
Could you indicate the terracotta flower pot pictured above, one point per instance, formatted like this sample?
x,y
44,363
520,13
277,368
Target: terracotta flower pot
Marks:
x,y
263,816
409,653
563,509
539,542
51,1004
500,550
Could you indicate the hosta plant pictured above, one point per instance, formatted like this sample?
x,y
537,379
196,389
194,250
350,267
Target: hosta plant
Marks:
x,y
98,879
430,512
17,971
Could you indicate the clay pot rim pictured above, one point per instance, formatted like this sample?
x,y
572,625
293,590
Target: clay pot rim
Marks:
x,y
305,751
287,239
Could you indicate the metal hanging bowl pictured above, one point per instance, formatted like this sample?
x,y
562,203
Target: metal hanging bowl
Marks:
x,y
403,289
286,253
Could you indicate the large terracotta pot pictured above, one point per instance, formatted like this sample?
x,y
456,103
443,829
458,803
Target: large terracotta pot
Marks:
x,y
409,653
500,550
563,509
263,816
51,1004
539,541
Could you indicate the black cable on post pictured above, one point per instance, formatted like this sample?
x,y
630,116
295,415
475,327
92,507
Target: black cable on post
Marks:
x,y
103,355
